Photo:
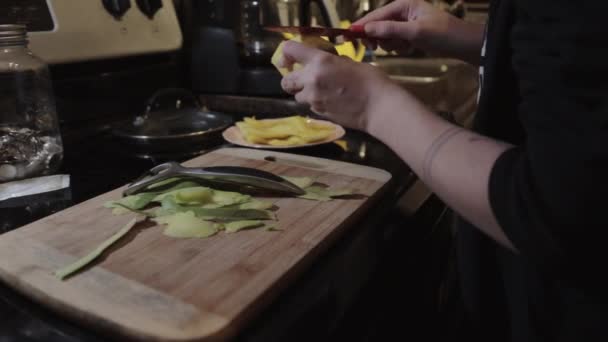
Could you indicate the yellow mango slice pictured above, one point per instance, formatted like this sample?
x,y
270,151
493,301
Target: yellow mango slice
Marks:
x,y
291,141
289,131
190,195
205,197
187,225
313,41
194,195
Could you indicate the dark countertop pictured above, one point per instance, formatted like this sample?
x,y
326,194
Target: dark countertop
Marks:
x,y
330,285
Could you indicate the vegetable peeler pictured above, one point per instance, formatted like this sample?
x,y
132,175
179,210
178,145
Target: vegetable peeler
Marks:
x,y
243,177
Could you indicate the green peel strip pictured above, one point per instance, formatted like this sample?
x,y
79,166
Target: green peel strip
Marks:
x,y
64,272
233,227
318,193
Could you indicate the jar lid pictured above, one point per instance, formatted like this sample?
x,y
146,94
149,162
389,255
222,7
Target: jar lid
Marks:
x,y
13,33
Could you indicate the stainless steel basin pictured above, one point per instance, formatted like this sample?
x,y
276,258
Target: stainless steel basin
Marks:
x,y
416,69
442,84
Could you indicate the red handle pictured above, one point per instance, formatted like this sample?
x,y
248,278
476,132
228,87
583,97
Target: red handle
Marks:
x,y
356,31
357,28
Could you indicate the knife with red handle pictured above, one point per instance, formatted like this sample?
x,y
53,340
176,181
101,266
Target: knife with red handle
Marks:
x,y
354,31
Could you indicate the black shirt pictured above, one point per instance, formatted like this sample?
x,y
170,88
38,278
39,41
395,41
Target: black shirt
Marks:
x,y
545,90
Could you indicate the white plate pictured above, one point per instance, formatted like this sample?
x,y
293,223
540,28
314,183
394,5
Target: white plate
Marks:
x,y
234,136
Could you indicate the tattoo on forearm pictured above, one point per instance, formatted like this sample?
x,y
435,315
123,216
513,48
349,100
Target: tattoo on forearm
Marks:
x,y
431,153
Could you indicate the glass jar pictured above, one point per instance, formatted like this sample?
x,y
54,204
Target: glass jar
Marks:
x,y
30,141
256,44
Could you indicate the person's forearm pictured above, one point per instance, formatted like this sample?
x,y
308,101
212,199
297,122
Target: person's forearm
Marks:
x,y
455,163
465,40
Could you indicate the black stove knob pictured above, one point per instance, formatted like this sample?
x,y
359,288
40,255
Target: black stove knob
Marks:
x,y
149,7
117,8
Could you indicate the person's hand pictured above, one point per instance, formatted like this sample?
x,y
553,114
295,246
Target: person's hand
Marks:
x,y
334,86
405,24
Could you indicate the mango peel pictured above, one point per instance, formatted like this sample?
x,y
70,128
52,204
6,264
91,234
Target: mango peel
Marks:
x,y
213,211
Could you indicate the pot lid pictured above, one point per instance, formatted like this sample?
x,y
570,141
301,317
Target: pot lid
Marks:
x,y
172,124
167,118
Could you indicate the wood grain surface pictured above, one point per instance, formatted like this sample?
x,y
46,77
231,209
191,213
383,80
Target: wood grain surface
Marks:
x,y
154,287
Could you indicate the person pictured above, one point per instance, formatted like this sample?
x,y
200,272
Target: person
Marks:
x,y
528,182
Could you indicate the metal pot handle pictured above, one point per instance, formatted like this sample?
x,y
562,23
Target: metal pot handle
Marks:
x,y
180,95
153,103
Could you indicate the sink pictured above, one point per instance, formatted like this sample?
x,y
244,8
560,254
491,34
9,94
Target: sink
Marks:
x,y
444,85
416,69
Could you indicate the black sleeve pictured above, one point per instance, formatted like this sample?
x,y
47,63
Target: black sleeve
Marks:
x,y
550,195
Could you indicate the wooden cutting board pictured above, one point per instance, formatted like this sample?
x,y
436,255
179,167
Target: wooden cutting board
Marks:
x,y
155,287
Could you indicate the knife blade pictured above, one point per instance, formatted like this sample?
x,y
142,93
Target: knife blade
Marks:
x,y
355,31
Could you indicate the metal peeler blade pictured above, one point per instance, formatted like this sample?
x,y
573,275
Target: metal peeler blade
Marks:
x,y
222,175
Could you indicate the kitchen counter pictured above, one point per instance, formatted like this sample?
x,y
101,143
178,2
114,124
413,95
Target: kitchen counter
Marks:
x,y
330,286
